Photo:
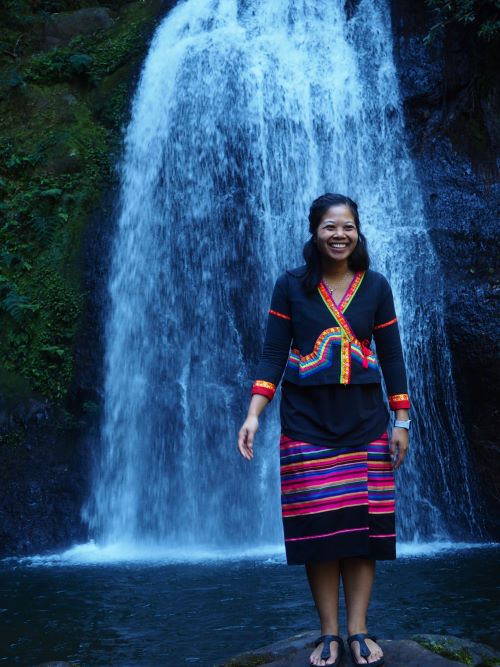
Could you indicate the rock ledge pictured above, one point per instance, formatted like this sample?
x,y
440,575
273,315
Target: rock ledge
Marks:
x,y
294,652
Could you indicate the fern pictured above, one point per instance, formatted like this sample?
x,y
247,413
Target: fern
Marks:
x,y
45,228
16,305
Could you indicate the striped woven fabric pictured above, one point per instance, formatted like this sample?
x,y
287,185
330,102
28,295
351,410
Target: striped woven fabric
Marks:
x,y
337,503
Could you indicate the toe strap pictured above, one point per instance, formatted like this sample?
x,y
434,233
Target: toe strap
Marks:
x,y
326,639
364,651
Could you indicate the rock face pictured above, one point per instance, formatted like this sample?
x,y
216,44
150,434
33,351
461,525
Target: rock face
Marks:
x,y
295,651
60,28
45,479
452,140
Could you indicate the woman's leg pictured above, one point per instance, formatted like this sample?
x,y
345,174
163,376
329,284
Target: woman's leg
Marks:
x,y
324,583
358,575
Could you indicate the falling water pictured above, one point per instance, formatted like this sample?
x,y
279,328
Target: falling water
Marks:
x,y
246,111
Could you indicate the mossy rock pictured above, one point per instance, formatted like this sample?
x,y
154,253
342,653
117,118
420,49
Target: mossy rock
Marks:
x,y
461,650
62,116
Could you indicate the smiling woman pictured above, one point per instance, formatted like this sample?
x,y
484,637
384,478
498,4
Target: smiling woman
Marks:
x,y
336,237
337,480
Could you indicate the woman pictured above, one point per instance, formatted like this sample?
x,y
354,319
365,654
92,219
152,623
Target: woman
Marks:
x,y
336,471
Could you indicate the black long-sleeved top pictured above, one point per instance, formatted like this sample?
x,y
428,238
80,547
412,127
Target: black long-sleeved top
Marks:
x,y
312,341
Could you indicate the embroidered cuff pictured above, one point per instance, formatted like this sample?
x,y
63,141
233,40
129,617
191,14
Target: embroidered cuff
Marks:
x,y
267,389
397,401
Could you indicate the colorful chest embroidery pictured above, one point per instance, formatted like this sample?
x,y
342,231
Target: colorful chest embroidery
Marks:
x,y
350,347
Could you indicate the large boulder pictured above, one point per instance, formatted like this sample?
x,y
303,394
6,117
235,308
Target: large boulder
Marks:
x,y
61,28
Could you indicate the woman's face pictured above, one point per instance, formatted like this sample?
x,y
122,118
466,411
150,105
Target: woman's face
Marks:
x,y
337,235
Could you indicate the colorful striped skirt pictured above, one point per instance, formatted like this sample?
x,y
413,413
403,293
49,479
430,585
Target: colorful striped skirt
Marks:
x,y
337,503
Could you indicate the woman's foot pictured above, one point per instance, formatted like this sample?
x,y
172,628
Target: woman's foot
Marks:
x,y
333,645
376,654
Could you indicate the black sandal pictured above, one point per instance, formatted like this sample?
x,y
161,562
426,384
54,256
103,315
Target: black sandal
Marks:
x,y
364,651
325,653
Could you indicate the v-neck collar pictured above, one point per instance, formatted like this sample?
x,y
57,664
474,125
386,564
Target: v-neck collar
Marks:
x,y
348,295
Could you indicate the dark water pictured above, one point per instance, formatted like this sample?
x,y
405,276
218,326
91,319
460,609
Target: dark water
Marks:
x,y
192,614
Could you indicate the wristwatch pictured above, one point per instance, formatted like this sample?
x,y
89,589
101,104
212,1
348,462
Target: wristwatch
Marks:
x,y
400,423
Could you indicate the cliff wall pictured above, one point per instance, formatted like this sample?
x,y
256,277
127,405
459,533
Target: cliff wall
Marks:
x,y
449,87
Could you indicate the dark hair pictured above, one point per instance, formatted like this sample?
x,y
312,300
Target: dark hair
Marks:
x,y
359,260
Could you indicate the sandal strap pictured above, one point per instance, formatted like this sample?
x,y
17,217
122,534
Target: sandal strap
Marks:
x,y
326,639
364,651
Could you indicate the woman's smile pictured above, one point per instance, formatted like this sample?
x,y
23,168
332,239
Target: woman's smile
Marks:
x,y
337,234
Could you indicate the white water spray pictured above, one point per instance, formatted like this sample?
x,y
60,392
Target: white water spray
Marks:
x,y
245,112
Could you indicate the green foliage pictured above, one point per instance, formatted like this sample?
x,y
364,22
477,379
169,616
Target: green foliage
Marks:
x,y
480,17
13,438
62,111
59,64
40,349
447,651
251,660
17,305
491,662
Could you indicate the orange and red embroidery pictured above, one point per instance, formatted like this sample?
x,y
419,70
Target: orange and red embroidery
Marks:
x,y
348,338
282,315
264,388
399,401
385,324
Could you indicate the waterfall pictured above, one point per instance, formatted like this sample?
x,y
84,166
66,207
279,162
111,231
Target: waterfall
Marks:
x,y
246,111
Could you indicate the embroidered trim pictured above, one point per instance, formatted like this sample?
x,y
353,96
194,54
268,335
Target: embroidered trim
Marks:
x,y
397,401
322,355
264,388
385,324
335,312
275,312
351,291
345,361
348,338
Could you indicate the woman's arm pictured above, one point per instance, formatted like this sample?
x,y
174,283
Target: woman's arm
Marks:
x,y
390,355
250,425
271,366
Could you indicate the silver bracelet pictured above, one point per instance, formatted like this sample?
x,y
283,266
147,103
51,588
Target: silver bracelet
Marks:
x,y
400,423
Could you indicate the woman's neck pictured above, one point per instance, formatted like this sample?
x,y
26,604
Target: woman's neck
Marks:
x,y
335,270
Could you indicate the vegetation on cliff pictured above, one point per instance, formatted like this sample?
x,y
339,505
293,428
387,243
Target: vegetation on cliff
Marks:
x,y
481,17
469,31
64,89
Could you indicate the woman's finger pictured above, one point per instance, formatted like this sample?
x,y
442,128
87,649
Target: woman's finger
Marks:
x,y
242,440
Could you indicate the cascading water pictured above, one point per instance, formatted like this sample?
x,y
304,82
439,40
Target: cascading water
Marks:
x,y
245,112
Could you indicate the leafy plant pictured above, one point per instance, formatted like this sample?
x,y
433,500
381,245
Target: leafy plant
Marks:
x,y
13,303
482,17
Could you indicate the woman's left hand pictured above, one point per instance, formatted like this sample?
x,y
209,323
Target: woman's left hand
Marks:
x,y
399,445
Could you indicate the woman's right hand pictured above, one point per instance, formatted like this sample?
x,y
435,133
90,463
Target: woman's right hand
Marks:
x,y
246,436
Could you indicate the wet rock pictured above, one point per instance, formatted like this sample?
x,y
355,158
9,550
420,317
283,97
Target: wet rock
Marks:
x,y
62,27
452,154
43,480
295,651
468,652
64,164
